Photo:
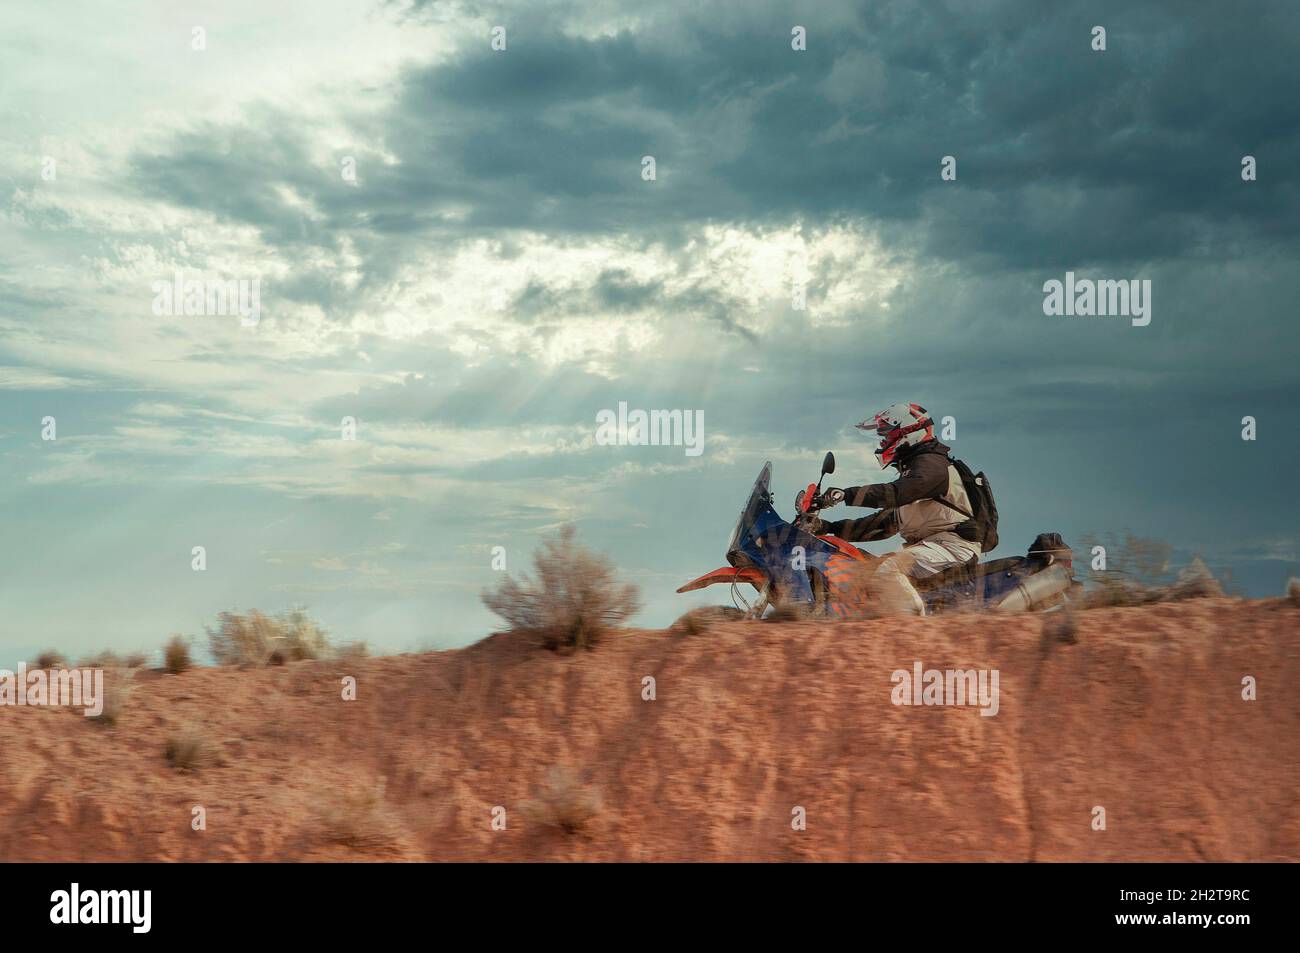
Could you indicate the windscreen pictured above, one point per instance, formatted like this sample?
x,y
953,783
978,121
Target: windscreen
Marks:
x,y
759,496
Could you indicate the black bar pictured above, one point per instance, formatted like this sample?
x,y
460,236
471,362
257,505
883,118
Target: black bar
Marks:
x,y
941,903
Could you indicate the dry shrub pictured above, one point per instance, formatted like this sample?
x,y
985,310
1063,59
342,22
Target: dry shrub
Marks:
x,y
1110,591
109,659
359,818
1293,591
188,751
1195,581
50,659
574,601
117,691
259,639
176,656
563,802
1138,572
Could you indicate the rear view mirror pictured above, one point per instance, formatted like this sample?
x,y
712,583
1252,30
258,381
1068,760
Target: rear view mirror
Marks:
x,y
828,464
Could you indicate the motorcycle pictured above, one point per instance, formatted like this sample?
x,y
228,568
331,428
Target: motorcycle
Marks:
x,y
793,569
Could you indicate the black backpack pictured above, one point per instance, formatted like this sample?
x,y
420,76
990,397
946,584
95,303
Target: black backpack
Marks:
x,y
982,525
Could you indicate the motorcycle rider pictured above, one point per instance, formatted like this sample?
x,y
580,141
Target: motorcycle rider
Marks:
x,y
927,505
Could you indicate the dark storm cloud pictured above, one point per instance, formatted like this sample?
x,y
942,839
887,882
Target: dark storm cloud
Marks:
x,y
233,172
1064,154
616,291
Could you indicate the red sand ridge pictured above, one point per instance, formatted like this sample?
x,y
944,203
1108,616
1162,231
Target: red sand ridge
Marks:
x,y
502,751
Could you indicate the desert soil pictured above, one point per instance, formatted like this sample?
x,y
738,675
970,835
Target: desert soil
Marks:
x,y
1142,715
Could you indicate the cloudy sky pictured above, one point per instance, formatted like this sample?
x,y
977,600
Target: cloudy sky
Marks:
x,y
498,270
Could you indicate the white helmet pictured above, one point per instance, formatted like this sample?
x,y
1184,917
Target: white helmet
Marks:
x,y
899,425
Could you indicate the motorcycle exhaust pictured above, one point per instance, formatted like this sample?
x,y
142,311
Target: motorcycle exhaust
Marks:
x,y
1036,590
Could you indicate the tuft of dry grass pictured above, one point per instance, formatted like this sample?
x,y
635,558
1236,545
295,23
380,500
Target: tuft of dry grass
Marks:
x,y
358,818
176,656
117,691
1293,591
703,618
109,659
574,601
188,750
563,802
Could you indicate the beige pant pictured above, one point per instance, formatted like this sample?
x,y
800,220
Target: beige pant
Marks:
x,y
891,584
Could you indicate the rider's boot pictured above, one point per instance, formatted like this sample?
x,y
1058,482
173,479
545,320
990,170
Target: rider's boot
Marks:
x,y
892,587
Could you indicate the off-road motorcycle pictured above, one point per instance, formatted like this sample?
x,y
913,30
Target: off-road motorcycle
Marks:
x,y
795,570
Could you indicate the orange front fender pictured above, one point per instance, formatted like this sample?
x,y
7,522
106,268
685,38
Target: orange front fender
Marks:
x,y
729,574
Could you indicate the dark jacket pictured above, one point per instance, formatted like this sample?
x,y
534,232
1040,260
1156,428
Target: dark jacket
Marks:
x,y
924,475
